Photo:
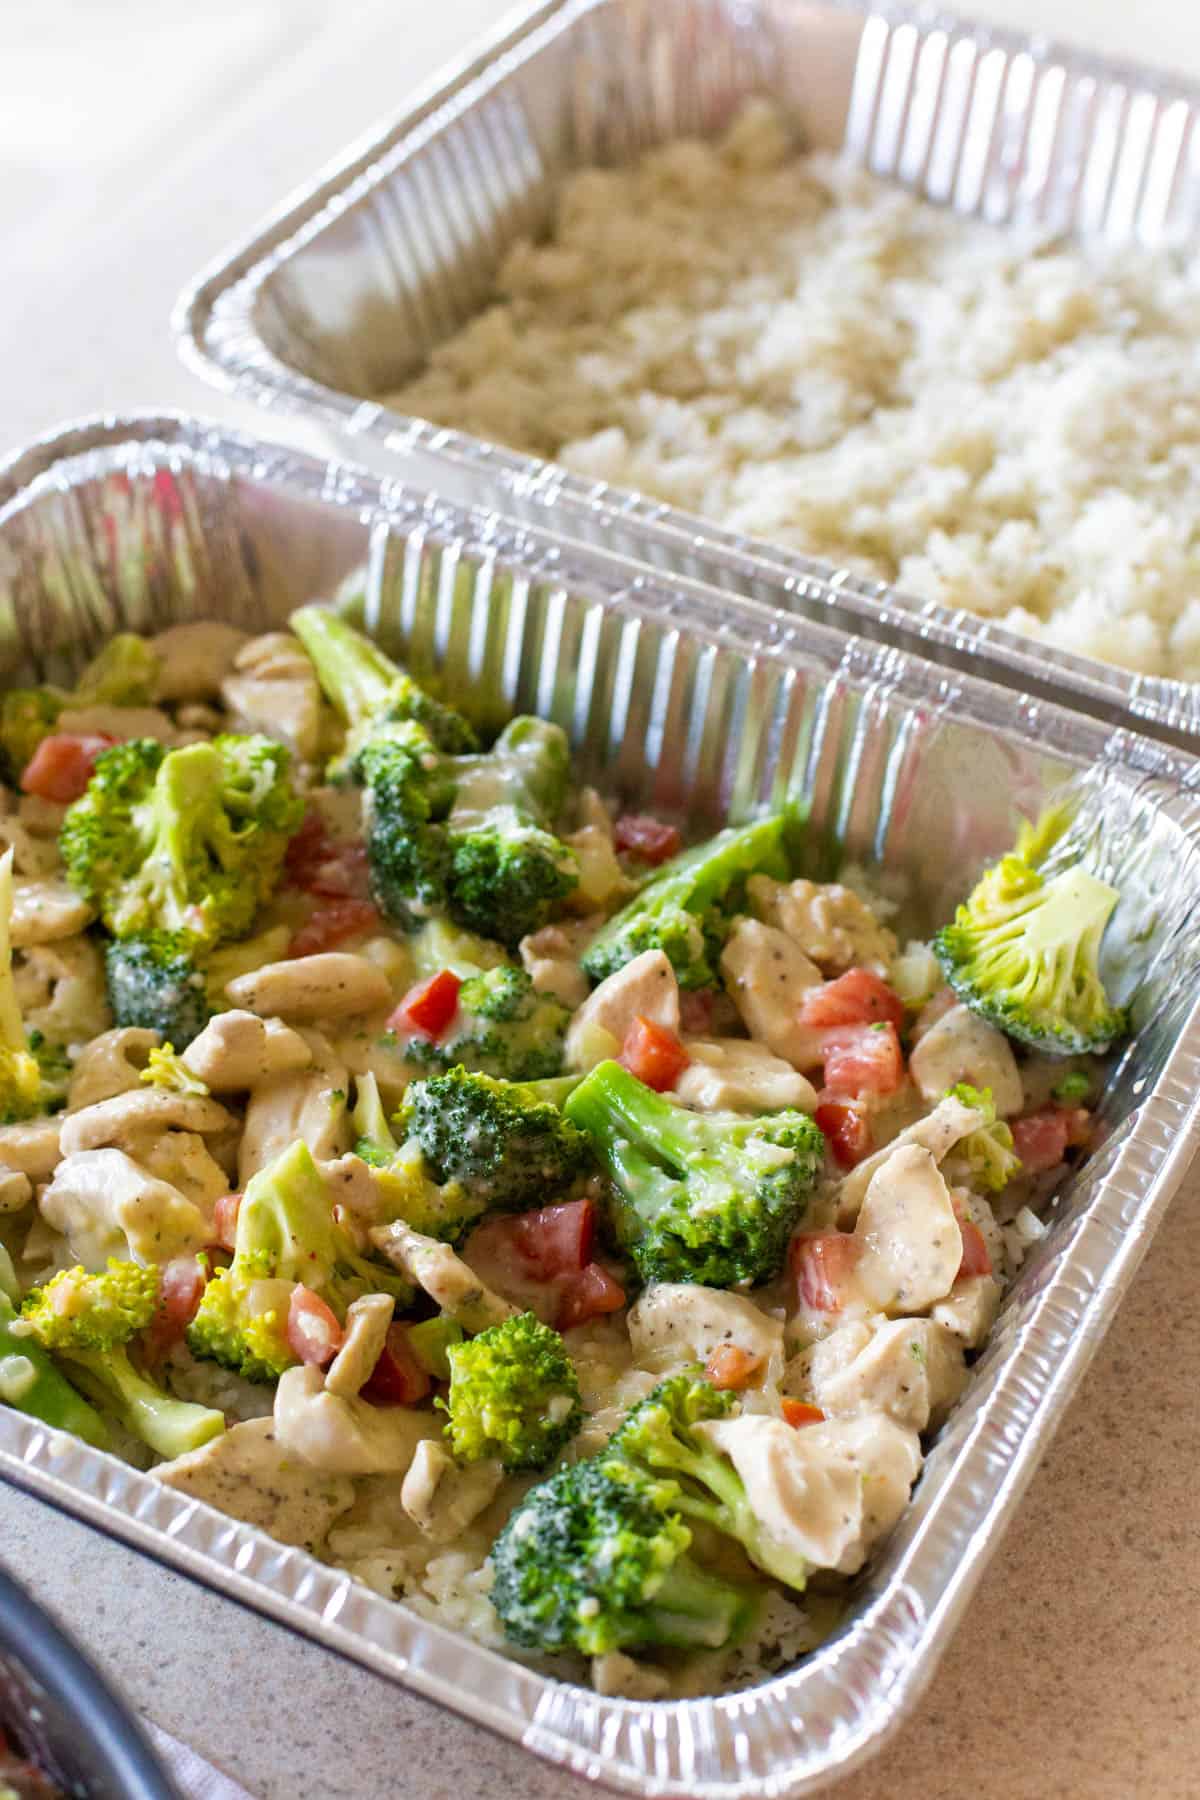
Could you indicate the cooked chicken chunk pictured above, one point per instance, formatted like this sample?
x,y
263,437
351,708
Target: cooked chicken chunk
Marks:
x,y
444,1276
249,1475
969,1310
910,1242
766,974
274,690
738,1075
16,1190
32,1147
194,659
442,1498
829,922
343,1435
964,1047
682,1322
330,985
111,1064
237,1051
645,988
367,1323
938,1132
116,1120
308,1104
45,909
551,957
106,1205
911,1369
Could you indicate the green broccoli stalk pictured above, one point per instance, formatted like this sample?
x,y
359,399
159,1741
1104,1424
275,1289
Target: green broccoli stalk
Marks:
x,y
985,1158
514,1395
706,1197
505,1149
1023,952
20,1075
595,1559
157,981
688,907
659,1440
86,1321
30,1382
187,841
503,1027
123,674
286,1237
368,690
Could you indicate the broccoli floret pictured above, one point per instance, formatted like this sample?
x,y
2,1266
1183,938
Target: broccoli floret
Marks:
x,y
595,1559
87,1320
408,853
21,1088
514,1395
123,674
658,1439
687,909
286,1236
188,840
157,981
503,1027
505,1148
368,690
707,1197
985,1158
405,1185
1023,953
166,1069
31,1381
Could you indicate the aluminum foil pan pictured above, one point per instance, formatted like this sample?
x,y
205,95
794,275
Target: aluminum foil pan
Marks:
x,y
344,293
675,696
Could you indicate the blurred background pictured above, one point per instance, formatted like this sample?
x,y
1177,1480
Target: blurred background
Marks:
x,y
139,137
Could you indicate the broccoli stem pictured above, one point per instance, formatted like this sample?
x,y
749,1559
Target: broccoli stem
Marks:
x,y
35,1386
170,1427
693,1610
621,1114
355,673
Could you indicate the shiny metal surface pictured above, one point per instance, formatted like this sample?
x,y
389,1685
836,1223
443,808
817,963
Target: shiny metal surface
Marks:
x,y
345,291
676,696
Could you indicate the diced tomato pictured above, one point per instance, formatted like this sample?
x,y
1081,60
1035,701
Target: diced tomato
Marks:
x,y
729,1366
398,1378
313,1332
654,1054
696,1010
975,1257
863,1059
332,923
588,1295
821,1262
646,838
180,1285
225,1218
428,1007
1042,1139
557,1240
855,998
799,1412
61,766
848,1131
320,864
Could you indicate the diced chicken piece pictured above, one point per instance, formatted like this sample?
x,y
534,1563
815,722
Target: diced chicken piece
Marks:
x,y
969,1310
308,1104
915,974
238,1050
105,1205
46,909
910,1243
443,1275
247,1474
938,1132
766,974
32,1147
367,1322
341,1435
33,854
16,1190
963,1047
441,1498
887,1458
146,1109
42,819
602,881
911,1369
60,990
645,988
275,690
738,1075
682,1322
623,1678
551,958
195,658
331,985
111,1064
182,1159
830,923
120,722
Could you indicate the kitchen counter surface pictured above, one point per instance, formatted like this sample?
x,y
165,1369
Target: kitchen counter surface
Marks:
x,y
1076,1670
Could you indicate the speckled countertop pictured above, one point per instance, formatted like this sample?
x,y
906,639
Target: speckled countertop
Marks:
x,y
1073,1677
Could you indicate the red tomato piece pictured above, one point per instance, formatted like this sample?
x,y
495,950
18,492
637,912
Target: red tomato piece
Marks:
x,y
654,1054
319,864
848,1131
588,1295
557,1240
332,923
696,1010
62,765
398,1378
863,1059
225,1218
180,1285
729,1366
855,998
821,1262
646,838
428,1007
975,1257
799,1412
1041,1138
313,1332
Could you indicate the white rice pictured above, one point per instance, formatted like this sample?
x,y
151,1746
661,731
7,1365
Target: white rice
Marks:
x,y
787,345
